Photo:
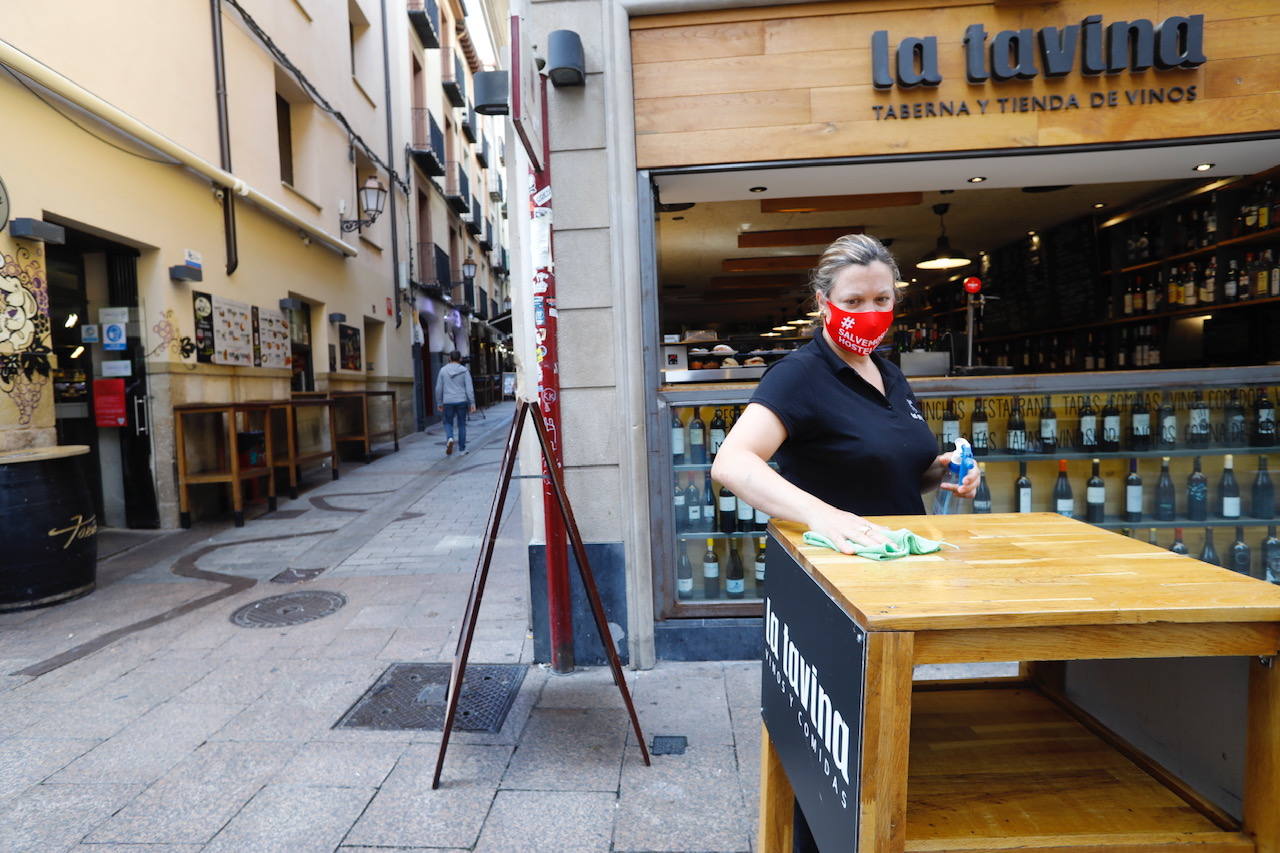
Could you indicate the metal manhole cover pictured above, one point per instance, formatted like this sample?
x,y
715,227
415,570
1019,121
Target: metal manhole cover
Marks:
x,y
292,608
412,696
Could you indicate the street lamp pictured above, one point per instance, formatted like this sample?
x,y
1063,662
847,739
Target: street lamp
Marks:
x,y
373,195
469,268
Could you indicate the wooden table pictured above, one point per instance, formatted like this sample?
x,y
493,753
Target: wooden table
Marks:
x,y
228,470
1012,764
365,436
293,459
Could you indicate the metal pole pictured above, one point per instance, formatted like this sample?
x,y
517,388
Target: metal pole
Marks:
x,y
391,177
559,607
224,137
968,328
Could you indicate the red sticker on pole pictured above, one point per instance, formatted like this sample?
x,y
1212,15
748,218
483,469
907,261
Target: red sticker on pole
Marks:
x,y
109,403
973,284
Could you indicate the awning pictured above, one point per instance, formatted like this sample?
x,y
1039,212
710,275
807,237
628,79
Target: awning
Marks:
x,y
502,322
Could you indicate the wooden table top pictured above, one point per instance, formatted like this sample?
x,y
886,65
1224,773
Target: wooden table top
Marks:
x,y
1029,570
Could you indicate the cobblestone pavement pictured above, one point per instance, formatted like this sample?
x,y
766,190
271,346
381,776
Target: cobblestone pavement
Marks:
x,y
158,725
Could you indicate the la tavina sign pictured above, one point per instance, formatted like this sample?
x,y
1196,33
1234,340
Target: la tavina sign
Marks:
x,y
1090,48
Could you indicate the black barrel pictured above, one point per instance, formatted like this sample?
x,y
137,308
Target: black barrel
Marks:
x,y
50,552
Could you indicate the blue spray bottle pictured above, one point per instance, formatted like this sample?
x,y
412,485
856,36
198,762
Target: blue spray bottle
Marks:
x,y
962,463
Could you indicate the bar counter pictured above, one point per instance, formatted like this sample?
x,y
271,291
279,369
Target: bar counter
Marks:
x,y
879,763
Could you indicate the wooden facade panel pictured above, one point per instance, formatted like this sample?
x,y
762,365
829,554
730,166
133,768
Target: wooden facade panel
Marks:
x,y
705,42
817,57
737,110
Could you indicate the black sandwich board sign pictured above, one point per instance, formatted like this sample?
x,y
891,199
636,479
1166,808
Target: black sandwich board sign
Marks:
x,y
815,659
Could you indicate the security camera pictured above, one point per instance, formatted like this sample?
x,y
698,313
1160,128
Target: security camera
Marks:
x,y
219,193
306,238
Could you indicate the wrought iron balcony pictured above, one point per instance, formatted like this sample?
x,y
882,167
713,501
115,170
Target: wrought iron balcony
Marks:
x,y
482,153
473,221
469,123
424,15
428,142
486,238
433,270
495,186
454,78
457,189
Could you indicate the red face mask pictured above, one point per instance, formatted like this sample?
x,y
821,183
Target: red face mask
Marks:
x,y
857,331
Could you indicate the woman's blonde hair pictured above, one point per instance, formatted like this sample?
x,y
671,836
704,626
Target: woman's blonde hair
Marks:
x,y
850,250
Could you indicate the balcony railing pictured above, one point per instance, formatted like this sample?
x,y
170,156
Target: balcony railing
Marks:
x,y
433,269
457,189
454,78
482,153
469,123
486,239
428,142
495,185
473,220
425,17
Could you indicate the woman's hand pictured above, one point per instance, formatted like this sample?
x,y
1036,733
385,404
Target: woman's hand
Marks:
x,y
967,486
846,530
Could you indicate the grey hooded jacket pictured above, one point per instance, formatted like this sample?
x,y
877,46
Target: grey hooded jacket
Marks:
x,y
453,385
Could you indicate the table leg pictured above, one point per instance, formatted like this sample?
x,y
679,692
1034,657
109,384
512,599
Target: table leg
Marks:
x,y
180,445
395,422
271,458
882,811
233,450
1262,752
777,800
331,411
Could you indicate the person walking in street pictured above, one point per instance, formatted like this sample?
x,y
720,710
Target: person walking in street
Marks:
x,y
457,396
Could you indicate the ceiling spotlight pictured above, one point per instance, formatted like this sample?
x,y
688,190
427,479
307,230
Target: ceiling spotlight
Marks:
x,y
1098,205
77,352
815,313
977,179
943,257
758,189
72,319
1031,233
1203,167
785,327
901,284
770,334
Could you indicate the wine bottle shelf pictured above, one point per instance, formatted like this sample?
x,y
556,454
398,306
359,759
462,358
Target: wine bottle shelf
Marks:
x,y
1036,456
686,535
1253,237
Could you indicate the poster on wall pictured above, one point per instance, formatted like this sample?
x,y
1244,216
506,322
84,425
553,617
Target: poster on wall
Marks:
x,y
232,332
202,308
257,338
109,403
273,338
349,344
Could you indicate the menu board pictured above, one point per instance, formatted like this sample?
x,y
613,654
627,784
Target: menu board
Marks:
x,y
349,342
202,308
232,332
273,338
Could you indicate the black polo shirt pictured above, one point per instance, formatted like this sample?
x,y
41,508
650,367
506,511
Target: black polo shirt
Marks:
x,y
847,444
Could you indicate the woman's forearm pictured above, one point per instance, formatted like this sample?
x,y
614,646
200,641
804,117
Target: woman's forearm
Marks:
x,y
751,479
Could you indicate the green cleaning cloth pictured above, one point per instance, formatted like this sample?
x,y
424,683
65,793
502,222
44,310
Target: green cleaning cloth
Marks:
x,y
902,543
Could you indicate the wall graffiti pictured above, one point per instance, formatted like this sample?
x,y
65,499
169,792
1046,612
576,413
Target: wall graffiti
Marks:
x,y
24,331
169,338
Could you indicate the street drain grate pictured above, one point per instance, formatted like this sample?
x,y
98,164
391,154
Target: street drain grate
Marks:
x,y
292,608
668,744
413,695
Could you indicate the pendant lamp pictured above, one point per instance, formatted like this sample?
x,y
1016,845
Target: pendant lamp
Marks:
x,y
943,257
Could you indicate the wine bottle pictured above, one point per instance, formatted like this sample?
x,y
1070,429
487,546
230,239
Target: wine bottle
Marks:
x,y
1208,553
684,575
1088,427
1133,493
1239,559
728,511
1048,427
1271,556
1198,428
708,504
1017,428
735,584
761,520
1063,502
697,440
1197,494
1166,499
760,566
693,506
1264,420
1229,283
1209,284
1110,426
980,429
677,439
1234,422
718,433
1168,421
1151,538
710,572
950,426
982,497
1140,425
746,516
1264,493
1228,490
1178,546
1022,490
681,514
1095,496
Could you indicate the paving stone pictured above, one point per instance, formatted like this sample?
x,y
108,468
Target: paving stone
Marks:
x,y
407,813
742,683
53,817
178,811
98,720
25,762
292,819
688,701
234,682
683,802
358,643
566,749
536,821
341,764
136,848
154,681
586,687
